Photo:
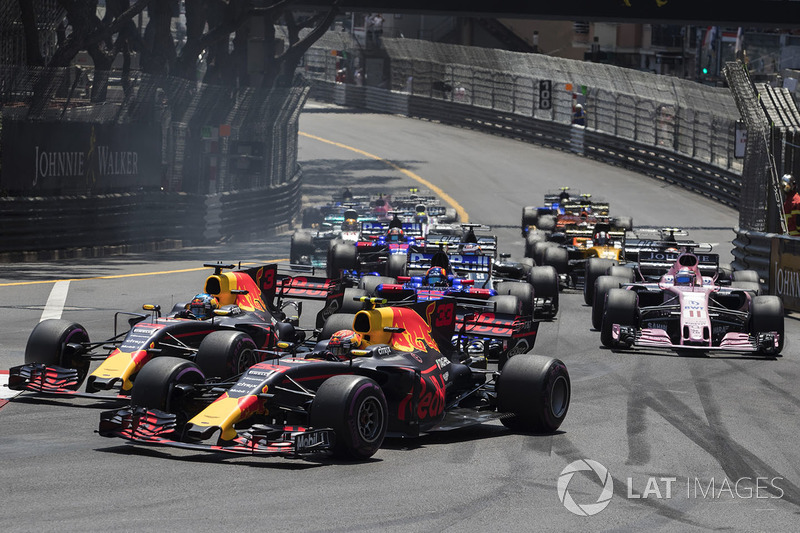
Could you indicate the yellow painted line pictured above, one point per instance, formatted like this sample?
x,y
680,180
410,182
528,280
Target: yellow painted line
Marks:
x,y
118,276
462,214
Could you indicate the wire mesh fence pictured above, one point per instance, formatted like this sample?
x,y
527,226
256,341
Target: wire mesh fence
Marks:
x,y
212,138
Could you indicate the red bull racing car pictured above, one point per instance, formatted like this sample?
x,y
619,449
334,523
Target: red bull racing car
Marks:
x,y
249,313
403,377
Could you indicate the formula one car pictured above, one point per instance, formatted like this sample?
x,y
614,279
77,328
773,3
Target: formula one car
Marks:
x,y
688,310
251,314
401,378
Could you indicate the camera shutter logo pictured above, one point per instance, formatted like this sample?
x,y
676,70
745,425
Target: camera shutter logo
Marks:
x,y
587,509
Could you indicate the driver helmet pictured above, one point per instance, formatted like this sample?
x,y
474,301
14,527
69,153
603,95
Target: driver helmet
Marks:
x,y
394,235
342,342
684,276
436,277
202,306
787,183
350,225
601,238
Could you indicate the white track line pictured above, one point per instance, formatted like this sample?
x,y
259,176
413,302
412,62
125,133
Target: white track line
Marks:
x,y
55,302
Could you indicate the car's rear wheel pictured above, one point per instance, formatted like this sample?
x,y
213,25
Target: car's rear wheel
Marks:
x,y
620,309
534,236
355,408
530,215
544,280
535,392
336,322
546,223
623,222
745,275
506,304
556,257
539,248
522,290
155,384
342,256
225,354
622,272
751,286
766,315
302,245
397,265
370,283
58,342
595,267
350,304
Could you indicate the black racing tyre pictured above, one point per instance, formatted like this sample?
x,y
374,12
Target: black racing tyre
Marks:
x,y
546,223
535,392
506,304
745,275
530,215
225,354
527,264
312,217
601,288
595,267
355,408
334,323
334,242
625,273
522,290
47,344
625,223
370,283
341,256
753,287
302,244
450,215
544,280
154,387
556,257
534,236
397,265
725,273
620,309
349,303
538,250
766,315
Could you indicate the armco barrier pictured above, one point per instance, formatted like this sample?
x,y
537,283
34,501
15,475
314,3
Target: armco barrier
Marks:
x,y
93,226
661,162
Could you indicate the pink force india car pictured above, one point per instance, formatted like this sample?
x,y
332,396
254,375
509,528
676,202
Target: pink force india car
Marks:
x,y
689,311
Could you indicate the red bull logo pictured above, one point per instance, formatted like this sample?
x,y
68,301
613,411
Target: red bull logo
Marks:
x,y
431,398
252,300
417,332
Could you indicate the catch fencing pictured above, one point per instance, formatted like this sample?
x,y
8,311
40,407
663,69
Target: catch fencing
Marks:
x,y
142,150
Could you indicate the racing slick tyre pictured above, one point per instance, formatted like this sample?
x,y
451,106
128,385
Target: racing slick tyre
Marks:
x,y
527,264
625,273
506,304
766,315
523,291
725,273
302,245
595,267
225,354
450,215
530,215
534,236
334,323
751,286
355,408
535,391
155,388
334,242
397,265
601,288
745,275
544,280
370,283
539,248
546,223
342,256
625,223
52,342
312,217
556,257
349,303
620,309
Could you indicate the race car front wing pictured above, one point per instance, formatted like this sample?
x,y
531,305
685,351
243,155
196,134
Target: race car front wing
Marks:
x,y
158,428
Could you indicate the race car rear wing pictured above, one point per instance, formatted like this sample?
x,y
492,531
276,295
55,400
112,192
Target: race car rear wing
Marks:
x,y
459,265
375,229
331,291
659,262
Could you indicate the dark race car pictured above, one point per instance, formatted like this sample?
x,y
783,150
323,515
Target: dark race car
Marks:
x,y
251,315
401,377
687,309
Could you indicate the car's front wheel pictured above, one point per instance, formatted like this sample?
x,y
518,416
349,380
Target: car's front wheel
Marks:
x,y
534,391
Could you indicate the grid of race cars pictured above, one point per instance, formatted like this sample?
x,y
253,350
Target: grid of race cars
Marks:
x,y
424,324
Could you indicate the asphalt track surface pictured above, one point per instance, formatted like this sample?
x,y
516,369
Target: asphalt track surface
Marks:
x,y
681,431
